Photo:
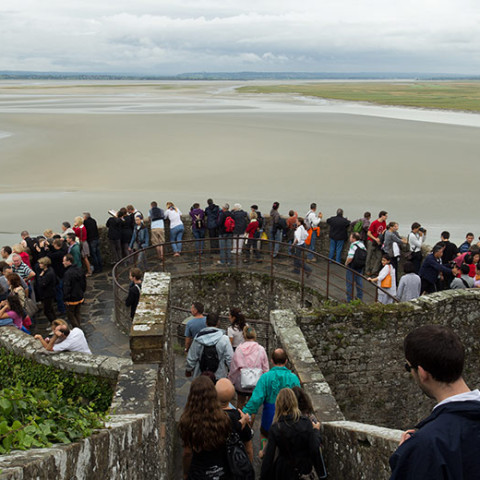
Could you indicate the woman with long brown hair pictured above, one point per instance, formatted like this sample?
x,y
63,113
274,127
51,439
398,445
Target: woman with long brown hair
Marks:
x,y
204,427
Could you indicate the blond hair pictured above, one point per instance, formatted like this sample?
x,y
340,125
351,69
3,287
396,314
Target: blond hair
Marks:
x,y
171,205
17,248
249,333
78,221
286,404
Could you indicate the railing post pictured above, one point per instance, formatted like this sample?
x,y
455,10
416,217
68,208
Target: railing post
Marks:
x,y
328,278
302,283
272,247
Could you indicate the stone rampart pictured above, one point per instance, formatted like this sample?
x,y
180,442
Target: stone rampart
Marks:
x,y
360,353
137,441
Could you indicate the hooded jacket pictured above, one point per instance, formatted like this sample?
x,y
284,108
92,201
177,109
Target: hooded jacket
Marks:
x,y
445,445
210,336
248,354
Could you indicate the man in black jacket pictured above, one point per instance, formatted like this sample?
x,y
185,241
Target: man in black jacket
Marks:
x,y
74,286
57,252
447,442
93,240
338,235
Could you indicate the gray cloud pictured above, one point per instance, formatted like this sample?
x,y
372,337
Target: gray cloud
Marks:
x,y
161,37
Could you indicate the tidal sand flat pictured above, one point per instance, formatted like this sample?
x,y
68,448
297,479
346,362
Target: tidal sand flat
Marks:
x,y
75,147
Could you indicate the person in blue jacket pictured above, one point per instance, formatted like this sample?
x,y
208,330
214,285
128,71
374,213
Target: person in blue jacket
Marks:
x,y
140,240
446,444
431,269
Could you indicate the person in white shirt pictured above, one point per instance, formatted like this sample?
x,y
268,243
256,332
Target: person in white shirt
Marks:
x,y
66,340
301,235
312,222
415,239
174,214
386,283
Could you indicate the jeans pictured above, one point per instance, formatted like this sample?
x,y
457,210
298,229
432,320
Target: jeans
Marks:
x,y
311,247
226,248
73,314
176,235
238,242
297,259
59,296
213,234
116,250
351,279
276,234
95,254
336,247
199,235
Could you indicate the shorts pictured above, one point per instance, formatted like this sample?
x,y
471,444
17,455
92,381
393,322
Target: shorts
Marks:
x,y
85,249
158,236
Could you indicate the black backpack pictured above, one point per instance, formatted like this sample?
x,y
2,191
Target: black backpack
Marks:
x,y
359,258
238,461
209,360
199,222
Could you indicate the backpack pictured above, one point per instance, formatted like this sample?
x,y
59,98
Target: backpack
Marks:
x,y
157,214
229,224
260,220
307,222
359,258
358,227
238,461
199,222
209,360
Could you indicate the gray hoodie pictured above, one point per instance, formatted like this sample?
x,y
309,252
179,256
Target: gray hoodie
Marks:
x,y
210,336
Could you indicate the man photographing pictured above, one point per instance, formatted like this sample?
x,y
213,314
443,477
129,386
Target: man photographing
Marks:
x,y
446,444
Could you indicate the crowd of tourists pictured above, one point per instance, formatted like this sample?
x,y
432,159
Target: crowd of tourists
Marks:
x,y
232,381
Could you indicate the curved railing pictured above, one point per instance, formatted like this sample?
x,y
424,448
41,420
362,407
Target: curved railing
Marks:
x,y
321,275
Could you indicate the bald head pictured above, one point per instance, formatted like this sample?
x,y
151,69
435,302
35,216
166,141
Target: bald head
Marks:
x,y
225,391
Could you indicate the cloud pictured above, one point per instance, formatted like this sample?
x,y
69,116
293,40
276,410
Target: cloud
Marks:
x,y
161,37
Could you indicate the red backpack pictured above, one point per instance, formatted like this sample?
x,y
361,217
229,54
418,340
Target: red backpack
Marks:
x,y
229,224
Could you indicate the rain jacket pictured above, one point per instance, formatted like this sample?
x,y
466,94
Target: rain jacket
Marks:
x,y
210,336
445,446
248,354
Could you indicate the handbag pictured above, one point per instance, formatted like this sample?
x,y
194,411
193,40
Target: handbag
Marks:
x,y
30,307
249,377
238,461
387,281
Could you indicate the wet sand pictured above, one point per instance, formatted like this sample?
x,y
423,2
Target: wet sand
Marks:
x,y
65,149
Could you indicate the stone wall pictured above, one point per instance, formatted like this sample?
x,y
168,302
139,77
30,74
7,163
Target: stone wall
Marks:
x,y
361,354
137,441
351,450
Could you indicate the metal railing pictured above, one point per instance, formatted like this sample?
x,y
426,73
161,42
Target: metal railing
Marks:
x,y
320,275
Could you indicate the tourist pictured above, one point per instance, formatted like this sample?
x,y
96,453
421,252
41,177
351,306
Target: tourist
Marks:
x,y
66,229
16,287
74,285
134,290
19,248
226,393
198,226
19,267
127,224
299,248
226,225
386,279
66,340
7,254
132,211
338,235
450,250
235,330
293,448
253,233
73,248
81,233
291,226
212,212
241,221
446,443
260,219
276,228
204,428
410,284
374,243
12,312
361,226
416,239
139,241
251,357
195,323
465,246
431,269
157,228
114,226
211,351
355,261
29,242
4,286
392,243
57,252
305,404
174,215
266,391
464,281
93,239
312,224
471,259
46,283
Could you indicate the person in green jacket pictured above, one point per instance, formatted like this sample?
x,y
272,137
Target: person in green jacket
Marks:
x,y
266,391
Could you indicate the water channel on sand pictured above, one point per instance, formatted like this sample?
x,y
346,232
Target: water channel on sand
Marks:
x,y
67,147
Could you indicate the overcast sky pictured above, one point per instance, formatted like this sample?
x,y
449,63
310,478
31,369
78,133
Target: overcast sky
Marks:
x,y
176,36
